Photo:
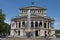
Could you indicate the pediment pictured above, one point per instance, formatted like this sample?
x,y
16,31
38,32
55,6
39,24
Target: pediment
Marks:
x,y
32,7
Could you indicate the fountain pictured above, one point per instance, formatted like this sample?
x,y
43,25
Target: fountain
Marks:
x,y
28,33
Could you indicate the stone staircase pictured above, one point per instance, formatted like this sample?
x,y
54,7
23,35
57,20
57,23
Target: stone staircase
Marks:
x,y
17,38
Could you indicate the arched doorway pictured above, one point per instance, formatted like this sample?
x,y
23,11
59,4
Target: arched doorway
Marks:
x,y
18,32
45,33
36,33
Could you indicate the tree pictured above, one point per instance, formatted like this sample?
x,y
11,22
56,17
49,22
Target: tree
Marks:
x,y
57,31
2,16
4,27
7,28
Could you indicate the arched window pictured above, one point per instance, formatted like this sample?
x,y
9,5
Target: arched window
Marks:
x,y
36,24
23,24
32,24
19,24
44,25
40,24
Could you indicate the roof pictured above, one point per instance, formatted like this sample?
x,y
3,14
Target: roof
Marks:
x,y
33,7
34,15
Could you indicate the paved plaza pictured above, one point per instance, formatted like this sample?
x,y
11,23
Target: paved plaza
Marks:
x,y
23,38
3,39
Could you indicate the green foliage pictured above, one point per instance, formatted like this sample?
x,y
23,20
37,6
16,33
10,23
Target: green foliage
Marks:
x,y
57,31
7,28
4,27
2,16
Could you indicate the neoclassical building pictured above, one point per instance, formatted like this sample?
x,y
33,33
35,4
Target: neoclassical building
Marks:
x,y
40,23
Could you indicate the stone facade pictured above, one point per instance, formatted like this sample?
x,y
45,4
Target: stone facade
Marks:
x,y
40,22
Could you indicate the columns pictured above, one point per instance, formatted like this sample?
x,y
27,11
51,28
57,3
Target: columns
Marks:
x,y
38,33
25,23
42,24
17,24
34,24
46,24
21,24
38,23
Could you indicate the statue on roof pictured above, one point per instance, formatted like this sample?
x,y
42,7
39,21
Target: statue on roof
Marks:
x,y
32,3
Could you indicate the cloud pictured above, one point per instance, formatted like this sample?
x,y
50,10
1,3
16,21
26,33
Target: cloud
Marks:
x,y
57,25
7,22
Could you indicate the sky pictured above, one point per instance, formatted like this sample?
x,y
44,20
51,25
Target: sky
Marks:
x,y
11,8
